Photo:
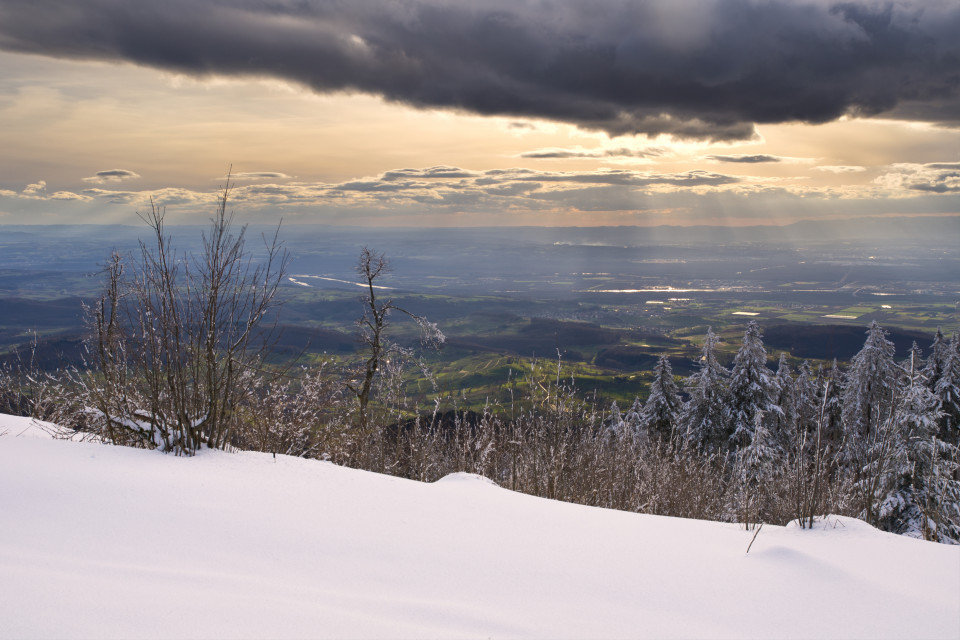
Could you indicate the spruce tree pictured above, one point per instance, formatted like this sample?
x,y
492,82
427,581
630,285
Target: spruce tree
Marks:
x,y
939,351
918,495
805,400
756,472
947,390
704,418
830,385
631,420
751,387
783,423
615,423
868,391
661,411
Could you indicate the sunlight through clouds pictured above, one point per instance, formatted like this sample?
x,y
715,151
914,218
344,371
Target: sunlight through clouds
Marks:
x,y
421,111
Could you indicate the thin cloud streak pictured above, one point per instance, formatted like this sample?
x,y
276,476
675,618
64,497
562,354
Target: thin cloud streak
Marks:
x,y
840,168
257,175
745,159
111,175
621,152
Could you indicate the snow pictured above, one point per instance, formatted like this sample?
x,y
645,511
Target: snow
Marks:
x,y
20,427
111,542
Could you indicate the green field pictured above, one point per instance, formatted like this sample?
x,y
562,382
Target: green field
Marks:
x,y
606,345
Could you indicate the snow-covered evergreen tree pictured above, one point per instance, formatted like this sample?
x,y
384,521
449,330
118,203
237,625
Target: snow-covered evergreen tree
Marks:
x,y
806,402
947,390
704,418
868,391
939,351
756,470
615,422
631,419
660,414
783,424
751,387
831,385
918,495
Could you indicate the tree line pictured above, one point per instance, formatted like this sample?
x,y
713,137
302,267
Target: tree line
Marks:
x,y
883,433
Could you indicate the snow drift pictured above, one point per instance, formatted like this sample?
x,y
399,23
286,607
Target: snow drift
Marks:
x,y
110,542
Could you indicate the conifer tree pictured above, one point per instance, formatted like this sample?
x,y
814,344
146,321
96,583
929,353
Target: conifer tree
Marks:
x,y
805,399
755,472
831,385
947,390
783,423
704,417
661,411
631,420
615,422
868,391
918,495
751,387
939,351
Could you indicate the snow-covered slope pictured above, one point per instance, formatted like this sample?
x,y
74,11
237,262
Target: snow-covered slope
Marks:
x,y
100,541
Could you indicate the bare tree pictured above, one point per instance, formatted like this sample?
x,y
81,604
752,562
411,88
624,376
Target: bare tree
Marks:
x,y
176,336
372,327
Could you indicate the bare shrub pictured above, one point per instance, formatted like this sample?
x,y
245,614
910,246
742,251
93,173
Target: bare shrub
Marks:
x,y
299,415
177,336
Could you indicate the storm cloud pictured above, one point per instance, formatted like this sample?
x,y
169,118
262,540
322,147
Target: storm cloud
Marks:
x,y
709,70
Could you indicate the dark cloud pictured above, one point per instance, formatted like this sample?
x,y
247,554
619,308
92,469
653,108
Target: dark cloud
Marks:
x,y
111,175
623,152
630,66
943,165
745,158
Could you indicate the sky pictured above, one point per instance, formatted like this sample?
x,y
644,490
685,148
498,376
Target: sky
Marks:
x,y
484,113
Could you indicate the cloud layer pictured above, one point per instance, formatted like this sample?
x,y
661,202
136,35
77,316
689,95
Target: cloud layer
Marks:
x,y
706,71
456,196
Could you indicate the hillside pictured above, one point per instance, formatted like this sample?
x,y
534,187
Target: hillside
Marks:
x,y
109,542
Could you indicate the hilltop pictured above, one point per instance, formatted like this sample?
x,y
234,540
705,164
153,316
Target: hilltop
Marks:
x,y
105,541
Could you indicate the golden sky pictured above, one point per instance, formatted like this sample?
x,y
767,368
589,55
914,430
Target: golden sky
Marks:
x,y
90,138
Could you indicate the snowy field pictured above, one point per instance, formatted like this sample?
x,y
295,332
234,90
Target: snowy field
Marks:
x,y
110,542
